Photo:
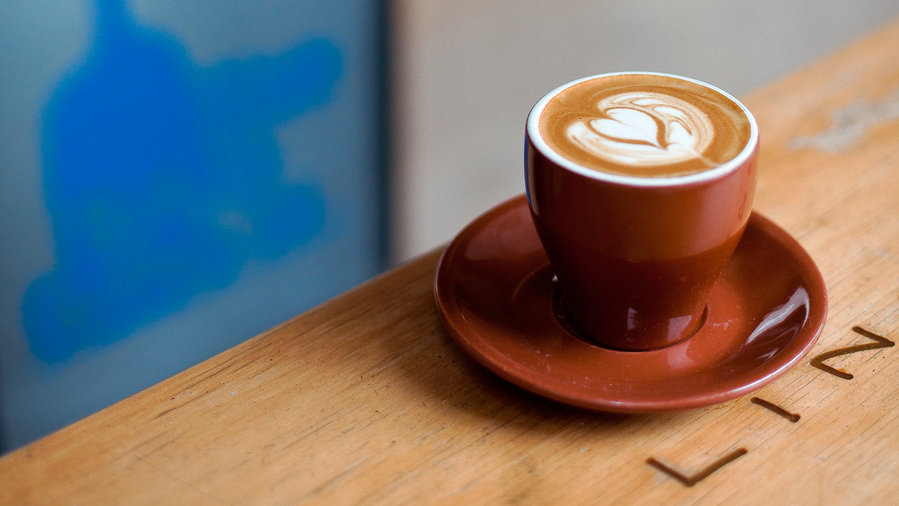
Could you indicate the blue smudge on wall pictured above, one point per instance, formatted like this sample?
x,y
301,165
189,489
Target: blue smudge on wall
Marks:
x,y
163,178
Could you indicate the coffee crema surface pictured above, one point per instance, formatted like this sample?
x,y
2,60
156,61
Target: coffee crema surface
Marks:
x,y
644,125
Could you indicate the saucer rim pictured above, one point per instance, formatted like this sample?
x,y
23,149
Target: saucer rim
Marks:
x,y
799,345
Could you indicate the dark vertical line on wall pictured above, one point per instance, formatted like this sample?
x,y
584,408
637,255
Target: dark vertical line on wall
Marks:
x,y
3,448
384,137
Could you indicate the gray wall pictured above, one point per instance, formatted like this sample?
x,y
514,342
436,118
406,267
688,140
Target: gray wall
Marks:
x,y
469,71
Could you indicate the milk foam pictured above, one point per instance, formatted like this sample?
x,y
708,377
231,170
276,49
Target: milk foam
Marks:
x,y
644,125
643,128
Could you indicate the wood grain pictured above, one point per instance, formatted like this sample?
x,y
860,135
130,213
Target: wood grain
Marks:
x,y
365,399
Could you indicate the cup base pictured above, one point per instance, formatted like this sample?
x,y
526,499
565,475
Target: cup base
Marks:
x,y
566,322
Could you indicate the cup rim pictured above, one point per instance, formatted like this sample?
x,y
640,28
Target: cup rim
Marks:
x,y
534,137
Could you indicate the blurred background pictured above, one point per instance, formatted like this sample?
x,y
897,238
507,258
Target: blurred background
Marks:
x,y
180,176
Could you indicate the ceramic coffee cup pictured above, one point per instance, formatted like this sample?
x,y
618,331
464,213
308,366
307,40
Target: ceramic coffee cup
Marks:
x,y
640,185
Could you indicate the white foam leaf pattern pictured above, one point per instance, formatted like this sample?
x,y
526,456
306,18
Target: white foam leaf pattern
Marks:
x,y
628,125
644,129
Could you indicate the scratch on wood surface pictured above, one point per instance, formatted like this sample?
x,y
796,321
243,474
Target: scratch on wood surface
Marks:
x,y
690,480
879,342
792,417
850,123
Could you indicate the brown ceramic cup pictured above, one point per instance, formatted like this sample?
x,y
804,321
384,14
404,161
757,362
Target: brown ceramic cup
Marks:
x,y
636,255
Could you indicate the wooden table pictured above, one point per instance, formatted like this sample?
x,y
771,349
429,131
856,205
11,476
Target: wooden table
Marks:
x,y
365,399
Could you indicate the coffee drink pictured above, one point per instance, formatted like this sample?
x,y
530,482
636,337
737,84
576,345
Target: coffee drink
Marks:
x,y
644,125
640,186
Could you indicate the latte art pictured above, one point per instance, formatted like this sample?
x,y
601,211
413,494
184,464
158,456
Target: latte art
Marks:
x,y
644,129
644,125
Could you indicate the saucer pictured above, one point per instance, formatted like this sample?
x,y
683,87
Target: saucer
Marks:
x,y
495,291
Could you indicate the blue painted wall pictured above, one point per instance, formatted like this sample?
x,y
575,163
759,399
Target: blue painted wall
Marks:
x,y
176,178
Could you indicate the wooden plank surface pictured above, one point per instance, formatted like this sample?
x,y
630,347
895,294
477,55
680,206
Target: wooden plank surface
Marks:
x,y
365,399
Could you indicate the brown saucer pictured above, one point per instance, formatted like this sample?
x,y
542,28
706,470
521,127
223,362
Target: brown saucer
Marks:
x,y
494,288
